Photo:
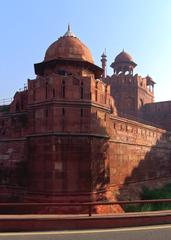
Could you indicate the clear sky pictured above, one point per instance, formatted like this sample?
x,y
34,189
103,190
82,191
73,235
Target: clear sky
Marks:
x,y
141,27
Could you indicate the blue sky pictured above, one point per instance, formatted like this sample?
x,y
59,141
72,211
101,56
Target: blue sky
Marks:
x,y
141,27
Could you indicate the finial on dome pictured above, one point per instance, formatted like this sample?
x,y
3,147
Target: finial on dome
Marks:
x,y
69,33
104,54
123,50
69,28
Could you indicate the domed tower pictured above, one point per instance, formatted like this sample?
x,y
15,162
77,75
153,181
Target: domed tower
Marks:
x,y
123,63
129,91
68,47
69,108
68,50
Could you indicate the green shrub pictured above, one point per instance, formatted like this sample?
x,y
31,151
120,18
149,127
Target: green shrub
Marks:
x,y
147,194
4,108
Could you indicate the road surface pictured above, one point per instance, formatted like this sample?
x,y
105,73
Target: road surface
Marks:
x,y
160,232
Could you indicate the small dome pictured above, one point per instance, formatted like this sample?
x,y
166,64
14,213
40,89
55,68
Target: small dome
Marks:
x,y
68,47
123,63
123,57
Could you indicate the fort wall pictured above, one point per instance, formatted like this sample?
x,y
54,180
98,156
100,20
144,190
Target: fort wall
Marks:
x,y
63,139
158,113
13,159
114,153
139,155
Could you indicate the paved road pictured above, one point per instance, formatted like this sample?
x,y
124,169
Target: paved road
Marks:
x,y
162,232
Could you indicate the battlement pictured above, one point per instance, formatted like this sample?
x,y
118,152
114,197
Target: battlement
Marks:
x,y
133,80
158,107
158,113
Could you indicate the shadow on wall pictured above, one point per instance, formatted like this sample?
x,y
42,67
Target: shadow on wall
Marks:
x,y
151,171
85,172
99,155
100,168
87,160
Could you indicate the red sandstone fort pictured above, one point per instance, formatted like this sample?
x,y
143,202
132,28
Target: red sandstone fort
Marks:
x,y
76,135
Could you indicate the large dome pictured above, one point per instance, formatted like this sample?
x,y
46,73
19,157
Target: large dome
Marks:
x,y
68,47
123,57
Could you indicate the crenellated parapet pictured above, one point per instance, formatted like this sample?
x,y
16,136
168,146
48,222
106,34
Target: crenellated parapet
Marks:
x,y
158,113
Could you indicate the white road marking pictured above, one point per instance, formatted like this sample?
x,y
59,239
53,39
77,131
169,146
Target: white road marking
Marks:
x,y
87,231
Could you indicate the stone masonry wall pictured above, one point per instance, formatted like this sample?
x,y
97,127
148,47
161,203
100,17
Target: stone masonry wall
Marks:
x,y
138,154
58,164
13,167
158,113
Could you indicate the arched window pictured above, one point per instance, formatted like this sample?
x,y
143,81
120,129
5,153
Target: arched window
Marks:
x,y
62,72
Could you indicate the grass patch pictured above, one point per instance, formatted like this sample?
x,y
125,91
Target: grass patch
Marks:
x,y
147,194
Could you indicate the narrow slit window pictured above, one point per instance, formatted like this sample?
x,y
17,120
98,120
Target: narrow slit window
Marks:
x,y
63,88
96,91
46,91
82,90
34,95
63,112
46,113
54,92
81,112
